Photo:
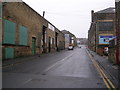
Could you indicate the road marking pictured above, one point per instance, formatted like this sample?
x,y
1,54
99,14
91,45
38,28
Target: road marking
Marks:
x,y
9,65
26,81
99,72
107,82
50,67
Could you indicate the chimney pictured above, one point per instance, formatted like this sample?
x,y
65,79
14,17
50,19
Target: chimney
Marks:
x,y
92,16
43,13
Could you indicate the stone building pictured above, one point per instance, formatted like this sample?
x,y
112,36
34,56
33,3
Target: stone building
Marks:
x,y
82,41
69,38
102,29
114,48
25,32
118,31
59,40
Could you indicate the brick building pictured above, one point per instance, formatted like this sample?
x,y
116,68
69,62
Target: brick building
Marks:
x,y
69,38
114,47
26,32
82,41
102,29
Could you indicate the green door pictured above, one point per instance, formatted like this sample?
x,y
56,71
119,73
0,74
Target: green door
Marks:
x,y
9,53
33,46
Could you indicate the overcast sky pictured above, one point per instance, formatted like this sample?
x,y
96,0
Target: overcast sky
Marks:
x,y
71,15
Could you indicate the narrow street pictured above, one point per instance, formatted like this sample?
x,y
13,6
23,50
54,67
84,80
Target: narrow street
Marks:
x,y
60,44
65,69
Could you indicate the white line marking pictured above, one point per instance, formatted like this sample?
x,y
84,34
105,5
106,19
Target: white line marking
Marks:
x,y
50,67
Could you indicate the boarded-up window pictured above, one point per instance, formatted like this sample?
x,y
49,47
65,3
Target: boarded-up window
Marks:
x,y
105,26
9,32
23,36
9,53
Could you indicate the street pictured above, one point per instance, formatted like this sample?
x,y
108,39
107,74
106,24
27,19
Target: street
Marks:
x,y
65,69
59,44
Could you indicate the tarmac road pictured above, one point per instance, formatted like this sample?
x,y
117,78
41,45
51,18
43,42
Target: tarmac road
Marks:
x,y
65,69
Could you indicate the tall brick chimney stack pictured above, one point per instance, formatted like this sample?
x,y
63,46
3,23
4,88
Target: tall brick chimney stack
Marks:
x,y
92,15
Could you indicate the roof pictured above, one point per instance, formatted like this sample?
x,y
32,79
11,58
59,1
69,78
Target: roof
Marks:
x,y
67,32
39,14
108,10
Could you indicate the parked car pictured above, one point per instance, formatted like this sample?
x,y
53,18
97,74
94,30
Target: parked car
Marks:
x,y
105,51
70,47
79,46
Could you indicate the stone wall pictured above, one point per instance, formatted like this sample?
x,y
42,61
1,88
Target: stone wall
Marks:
x,y
23,15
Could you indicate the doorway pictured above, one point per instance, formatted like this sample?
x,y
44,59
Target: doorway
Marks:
x,y
44,39
49,44
56,41
33,45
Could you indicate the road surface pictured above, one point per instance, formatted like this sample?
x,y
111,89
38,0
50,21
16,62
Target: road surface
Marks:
x,y
65,69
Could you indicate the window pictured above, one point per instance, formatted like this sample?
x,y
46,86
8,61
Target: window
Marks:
x,y
23,35
105,26
9,32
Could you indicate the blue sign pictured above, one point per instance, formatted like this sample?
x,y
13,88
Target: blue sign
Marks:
x,y
105,39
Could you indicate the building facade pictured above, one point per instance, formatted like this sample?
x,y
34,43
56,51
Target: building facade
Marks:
x,y
82,41
92,34
70,38
118,31
60,40
102,29
25,32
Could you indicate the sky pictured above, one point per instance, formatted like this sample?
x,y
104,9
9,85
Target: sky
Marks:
x,y
71,15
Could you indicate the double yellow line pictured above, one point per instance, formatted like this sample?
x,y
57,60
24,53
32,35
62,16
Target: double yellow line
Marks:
x,y
107,82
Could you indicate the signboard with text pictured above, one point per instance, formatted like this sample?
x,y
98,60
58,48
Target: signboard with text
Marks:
x,y
105,39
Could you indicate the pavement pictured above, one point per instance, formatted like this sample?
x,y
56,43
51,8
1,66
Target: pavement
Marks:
x,y
11,62
111,69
